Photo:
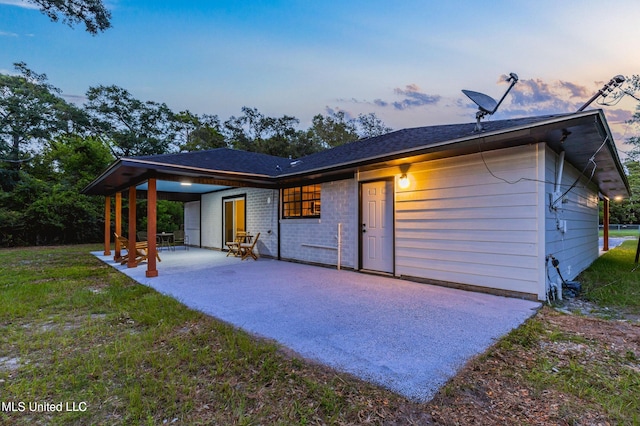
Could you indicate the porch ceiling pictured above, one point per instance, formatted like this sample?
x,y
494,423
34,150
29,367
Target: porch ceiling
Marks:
x,y
182,187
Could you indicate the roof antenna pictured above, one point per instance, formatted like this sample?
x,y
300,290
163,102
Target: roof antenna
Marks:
x,y
606,89
486,104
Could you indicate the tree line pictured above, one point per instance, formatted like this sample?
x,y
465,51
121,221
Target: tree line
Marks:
x,y
50,149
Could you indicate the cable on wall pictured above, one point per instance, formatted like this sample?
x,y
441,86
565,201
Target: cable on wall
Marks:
x,y
573,185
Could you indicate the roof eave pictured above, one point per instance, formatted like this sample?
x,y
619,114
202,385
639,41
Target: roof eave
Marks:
x,y
146,168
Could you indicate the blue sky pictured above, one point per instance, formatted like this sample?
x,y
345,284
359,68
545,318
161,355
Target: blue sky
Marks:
x,y
405,60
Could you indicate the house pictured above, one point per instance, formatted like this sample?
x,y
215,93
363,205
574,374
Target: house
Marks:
x,y
443,204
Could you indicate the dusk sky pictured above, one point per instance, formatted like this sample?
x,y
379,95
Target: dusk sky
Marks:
x,y
406,61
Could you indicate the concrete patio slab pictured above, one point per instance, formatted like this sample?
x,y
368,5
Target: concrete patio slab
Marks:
x,y
408,337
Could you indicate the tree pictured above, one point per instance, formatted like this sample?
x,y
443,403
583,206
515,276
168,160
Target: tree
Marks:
x,y
243,131
369,126
628,210
132,127
333,130
253,131
279,135
304,144
31,112
198,133
91,12
64,216
14,228
46,206
75,161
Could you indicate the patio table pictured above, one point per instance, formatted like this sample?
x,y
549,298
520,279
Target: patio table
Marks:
x,y
165,239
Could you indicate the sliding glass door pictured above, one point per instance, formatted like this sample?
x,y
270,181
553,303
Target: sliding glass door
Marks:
x,y
234,218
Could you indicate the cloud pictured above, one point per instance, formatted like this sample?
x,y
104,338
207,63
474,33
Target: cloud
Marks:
x,y
531,92
576,91
535,97
413,98
332,111
7,34
538,97
618,115
19,3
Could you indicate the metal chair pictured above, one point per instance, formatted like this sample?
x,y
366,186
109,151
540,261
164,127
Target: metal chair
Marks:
x,y
180,238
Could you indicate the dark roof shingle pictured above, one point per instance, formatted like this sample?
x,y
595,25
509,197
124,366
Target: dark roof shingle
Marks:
x,y
401,140
223,159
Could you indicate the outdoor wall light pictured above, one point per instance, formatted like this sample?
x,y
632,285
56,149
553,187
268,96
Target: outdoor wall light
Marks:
x,y
185,183
403,182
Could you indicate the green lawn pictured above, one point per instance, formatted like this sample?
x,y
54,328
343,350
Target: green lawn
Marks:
x,y
80,336
77,331
619,233
609,281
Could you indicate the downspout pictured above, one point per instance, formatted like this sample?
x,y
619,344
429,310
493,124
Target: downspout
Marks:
x,y
279,216
200,224
339,245
605,224
557,192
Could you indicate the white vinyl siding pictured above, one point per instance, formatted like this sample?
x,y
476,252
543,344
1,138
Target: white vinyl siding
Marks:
x,y
458,223
576,248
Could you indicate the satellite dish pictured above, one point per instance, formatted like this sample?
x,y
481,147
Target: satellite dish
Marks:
x,y
486,104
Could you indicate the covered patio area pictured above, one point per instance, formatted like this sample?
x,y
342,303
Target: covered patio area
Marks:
x,y
408,337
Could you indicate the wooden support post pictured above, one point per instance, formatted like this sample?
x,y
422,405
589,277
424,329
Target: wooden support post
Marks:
x,y
151,228
118,226
107,226
131,250
605,223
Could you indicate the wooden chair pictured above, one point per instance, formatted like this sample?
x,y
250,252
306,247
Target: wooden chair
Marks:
x,y
142,250
246,249
234,246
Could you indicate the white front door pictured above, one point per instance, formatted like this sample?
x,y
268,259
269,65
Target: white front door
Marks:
x,y
377,226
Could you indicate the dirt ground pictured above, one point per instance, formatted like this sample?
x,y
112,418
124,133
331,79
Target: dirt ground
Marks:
x,y
497,388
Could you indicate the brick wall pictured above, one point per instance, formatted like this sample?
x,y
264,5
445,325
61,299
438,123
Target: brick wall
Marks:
x,y
301,237
262,216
